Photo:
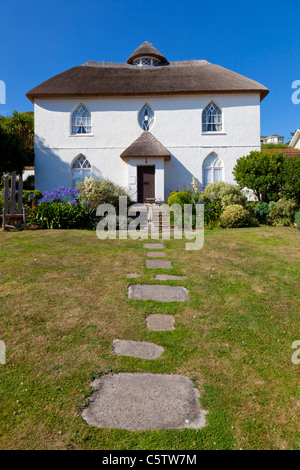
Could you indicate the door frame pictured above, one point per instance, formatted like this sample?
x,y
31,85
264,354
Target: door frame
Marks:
x,y
137,170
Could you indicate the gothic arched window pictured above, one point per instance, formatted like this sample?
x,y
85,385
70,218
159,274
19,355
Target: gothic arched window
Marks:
x,y
146,117
212,118
81,168
81,120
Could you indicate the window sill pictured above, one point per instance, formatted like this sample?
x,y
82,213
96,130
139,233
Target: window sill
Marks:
x,y
81,135
213,133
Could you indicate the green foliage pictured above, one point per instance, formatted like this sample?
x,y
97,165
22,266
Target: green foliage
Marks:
x,y
101,192
297,219
261,211
275,146
28,184
263,173
234,216
180,197
63,215
21,124
13,153
291,174
27,196
224,194
282,212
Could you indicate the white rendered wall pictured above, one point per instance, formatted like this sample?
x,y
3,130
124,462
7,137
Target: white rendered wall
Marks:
x,y
177,125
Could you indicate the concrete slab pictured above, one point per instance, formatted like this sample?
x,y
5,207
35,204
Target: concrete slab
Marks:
x,y
161,293
153,246
158,264
156,254
158,322
138,349
143,402
168,277
132,275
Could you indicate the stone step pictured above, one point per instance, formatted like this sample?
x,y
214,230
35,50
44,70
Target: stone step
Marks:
x,y
161,293
138,349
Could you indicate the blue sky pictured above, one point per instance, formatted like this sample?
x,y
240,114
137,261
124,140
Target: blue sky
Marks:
x,y
259,39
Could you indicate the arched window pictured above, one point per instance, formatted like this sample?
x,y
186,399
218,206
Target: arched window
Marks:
x,y
81,168
212,169
146,62
146,117
211,118
81,120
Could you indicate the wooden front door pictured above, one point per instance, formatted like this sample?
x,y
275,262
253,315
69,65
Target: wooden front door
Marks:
x,y
145,178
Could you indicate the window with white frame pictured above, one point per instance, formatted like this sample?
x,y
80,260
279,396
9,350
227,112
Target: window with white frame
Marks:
x,y
81,168
212,169
146,117
146,62
81,120
212,118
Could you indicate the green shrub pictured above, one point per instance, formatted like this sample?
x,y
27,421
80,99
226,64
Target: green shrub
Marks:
x,y
261,211
234,216
180,197
224,194
282,212
297,219
63,215
262,172
31,197
101,192
291,173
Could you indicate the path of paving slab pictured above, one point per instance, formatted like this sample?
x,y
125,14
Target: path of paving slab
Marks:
x,y
153,246
158,264
130,275
161,293
138,349
143,402
156,254
168,277
160,322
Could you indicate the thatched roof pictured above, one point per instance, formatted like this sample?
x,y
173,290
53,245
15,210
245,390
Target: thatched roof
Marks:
x,y
108,79
146,50
146,146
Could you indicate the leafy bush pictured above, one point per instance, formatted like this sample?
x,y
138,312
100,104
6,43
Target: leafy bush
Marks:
x,y
29,182
63,215
263,173
224,194
234,216
31,197
180,197
297,219
291,173
282,212
101,192
261,211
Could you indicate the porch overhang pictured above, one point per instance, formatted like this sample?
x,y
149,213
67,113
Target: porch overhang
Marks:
x,y
146,146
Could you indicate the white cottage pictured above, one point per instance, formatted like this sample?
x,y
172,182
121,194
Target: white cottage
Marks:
x,y
148,125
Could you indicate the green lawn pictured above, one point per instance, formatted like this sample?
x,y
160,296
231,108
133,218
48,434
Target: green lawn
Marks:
x,y
64,299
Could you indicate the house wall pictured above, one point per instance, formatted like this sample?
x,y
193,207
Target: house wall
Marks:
x,y
177,125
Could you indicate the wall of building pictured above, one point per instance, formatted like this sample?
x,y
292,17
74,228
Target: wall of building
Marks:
x,y
177,125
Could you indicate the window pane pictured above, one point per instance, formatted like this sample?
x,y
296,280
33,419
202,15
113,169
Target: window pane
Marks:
x,y
206,177
217,174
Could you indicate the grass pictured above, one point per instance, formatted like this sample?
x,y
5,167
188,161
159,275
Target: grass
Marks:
x,y
64,299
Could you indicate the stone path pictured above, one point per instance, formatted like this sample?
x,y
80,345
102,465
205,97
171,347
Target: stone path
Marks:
x,y
137,349
147,401
158,264
161,293
144,401
168,277
158,322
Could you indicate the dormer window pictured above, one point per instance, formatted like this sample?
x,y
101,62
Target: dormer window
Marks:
x,y
146,62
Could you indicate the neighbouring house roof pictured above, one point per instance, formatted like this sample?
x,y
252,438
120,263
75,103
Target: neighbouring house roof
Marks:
x,y
146,50
146,145
295,138
28,168
115,79
287,152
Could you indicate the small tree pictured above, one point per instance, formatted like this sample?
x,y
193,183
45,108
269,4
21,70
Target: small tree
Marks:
x,y
262,172
13,153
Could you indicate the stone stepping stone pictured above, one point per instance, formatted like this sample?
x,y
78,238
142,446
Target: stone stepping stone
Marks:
x,y
137,349
132,275
156,254
144,402
168,277
153,246
158,264
161,293
158,322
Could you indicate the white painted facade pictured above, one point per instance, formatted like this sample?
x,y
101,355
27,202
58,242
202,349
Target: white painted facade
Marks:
x,y
177,125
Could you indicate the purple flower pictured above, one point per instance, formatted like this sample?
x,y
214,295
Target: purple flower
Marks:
x,y
86,202
74,202
31,196
208,209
